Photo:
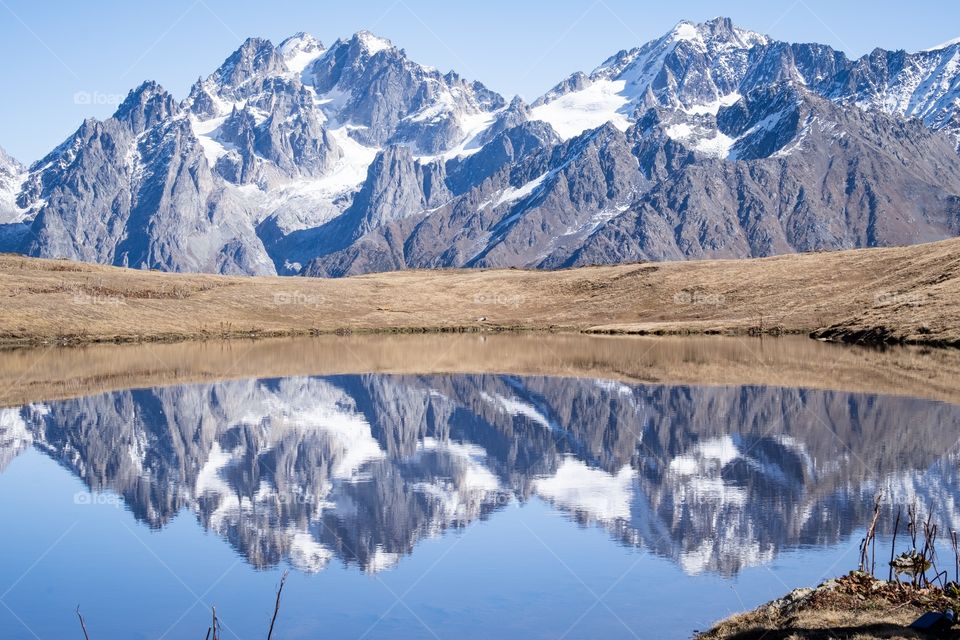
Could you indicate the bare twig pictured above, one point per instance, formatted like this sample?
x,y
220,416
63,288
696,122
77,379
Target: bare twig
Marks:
x,y
956,556
929,552
912,525
83,625
893,545
276,607
868,546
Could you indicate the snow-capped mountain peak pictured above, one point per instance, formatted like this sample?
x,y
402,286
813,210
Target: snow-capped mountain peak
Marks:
x,y
371,43
299,50
690,67
256,57
332,161
146,106
945,45
720,31
12,177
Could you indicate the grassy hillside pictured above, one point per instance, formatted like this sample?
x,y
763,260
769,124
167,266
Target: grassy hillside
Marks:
x,y
909,294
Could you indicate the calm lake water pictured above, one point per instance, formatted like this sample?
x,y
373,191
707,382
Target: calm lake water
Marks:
x,y
445,506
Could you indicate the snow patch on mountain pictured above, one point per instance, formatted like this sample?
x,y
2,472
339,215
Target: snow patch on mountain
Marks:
x,y
511,194
372,43
299,51
926,87
13,175
329,412
517,407
14,431
707,141
686,31
206,133
717,452
15,434
349,172
474,126
944,45
209,479
572,114
717,146
604,497
381,560
473,476
306,554
713,108
749,553
615,90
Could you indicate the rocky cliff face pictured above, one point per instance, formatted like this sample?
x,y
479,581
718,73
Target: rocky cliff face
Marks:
x,y
13,231
711,141
361,468
12,174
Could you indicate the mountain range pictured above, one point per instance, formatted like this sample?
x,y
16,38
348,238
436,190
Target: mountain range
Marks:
x,y
363,468
710,142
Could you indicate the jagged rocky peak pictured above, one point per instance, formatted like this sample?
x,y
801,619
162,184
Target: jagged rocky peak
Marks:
x,y
693,66
7,161
347,58
256,57
146,106
398,186
200,102
369,83
257,73
370,43
515,114
713,37
707,127
718,31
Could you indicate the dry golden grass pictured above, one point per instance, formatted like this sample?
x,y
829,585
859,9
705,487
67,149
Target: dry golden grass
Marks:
x,y
864,623
51,372
855,607
909,293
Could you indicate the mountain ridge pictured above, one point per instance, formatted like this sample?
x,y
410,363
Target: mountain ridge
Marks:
x,y
330,161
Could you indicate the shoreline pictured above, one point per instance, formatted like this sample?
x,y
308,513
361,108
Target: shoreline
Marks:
x,y
52,372
899,295
8,343
856,606
876,338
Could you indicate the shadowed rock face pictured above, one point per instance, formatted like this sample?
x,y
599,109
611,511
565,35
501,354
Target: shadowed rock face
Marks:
x,y
363,467
709,142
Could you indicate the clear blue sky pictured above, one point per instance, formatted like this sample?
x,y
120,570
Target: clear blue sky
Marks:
x,y
53,50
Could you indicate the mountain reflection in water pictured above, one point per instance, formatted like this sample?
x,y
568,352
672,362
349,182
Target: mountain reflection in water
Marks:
x,y
363,467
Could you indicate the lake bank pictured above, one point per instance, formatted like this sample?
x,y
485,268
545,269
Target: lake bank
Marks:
x,y
54,372
896,295
854,606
